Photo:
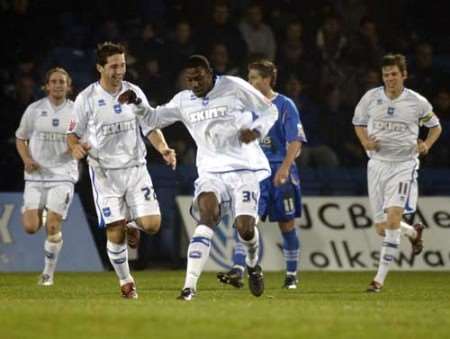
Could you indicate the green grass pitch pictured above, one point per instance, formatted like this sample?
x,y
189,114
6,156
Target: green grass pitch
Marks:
x,y
327,305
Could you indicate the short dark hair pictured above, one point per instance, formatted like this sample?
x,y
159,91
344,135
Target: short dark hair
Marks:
x,y
106,49
266,69
198,60
398,60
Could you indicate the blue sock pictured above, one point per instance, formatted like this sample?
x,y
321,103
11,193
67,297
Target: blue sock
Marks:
x,y
238,253
291,251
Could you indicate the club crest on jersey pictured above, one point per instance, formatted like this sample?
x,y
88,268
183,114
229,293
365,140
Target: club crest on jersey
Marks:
x,y
117,108
101,102
55,122
43,113
205,101
390,110
106,212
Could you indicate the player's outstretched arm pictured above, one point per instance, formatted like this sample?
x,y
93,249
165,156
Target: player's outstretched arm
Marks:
x,y
156,138
23,150
77,149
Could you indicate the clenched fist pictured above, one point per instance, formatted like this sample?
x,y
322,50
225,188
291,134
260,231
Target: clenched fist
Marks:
x,y
129,97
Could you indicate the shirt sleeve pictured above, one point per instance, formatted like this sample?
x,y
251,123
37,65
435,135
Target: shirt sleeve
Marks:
x,y
161,116
78,125
292,124
26,125
426,116
361,115
266,113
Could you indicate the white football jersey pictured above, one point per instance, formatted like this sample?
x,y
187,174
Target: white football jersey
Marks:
x,y
111,129
394,123
45,126
214,123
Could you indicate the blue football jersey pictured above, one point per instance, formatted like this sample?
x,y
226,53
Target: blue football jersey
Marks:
x,y
287,128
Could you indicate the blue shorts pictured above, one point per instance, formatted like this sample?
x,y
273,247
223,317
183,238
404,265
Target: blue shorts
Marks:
x,y
282,203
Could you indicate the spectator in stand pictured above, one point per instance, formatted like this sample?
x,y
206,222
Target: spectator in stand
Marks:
x,y
220,60
221,29
318,153
258,36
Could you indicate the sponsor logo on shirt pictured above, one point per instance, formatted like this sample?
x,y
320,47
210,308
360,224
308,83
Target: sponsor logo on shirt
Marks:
x,y
53,137
101,102
119,127
208,114
392,126
44,113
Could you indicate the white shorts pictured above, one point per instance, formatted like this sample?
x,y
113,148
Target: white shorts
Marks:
x,y
392,184
54,196
237,192
123,194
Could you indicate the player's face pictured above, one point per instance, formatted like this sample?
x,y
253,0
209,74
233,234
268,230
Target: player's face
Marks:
x,y
114,70
57,85
257,81
199,80
393,78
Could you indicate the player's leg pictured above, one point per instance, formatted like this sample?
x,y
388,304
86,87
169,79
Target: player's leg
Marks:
x,y
117,250
52,247
235,275
285,207
245,192
200,244
33,205
389,248
59,197
291,252
143,205
108,191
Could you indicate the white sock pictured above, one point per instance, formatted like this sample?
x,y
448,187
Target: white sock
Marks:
x,y
52,250
118,256
252,247
407,230
198,254
388,252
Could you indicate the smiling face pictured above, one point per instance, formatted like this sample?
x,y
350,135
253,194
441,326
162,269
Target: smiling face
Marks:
x,y
199,80
113,72
57,85
393,78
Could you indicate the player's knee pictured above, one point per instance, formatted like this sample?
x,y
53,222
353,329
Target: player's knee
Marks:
x,y
246,227
379,228
31,223
56,237
209,219
151,225
31,226
209,209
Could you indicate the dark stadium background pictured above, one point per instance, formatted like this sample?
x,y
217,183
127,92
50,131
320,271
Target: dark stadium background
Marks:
x,y
325,80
